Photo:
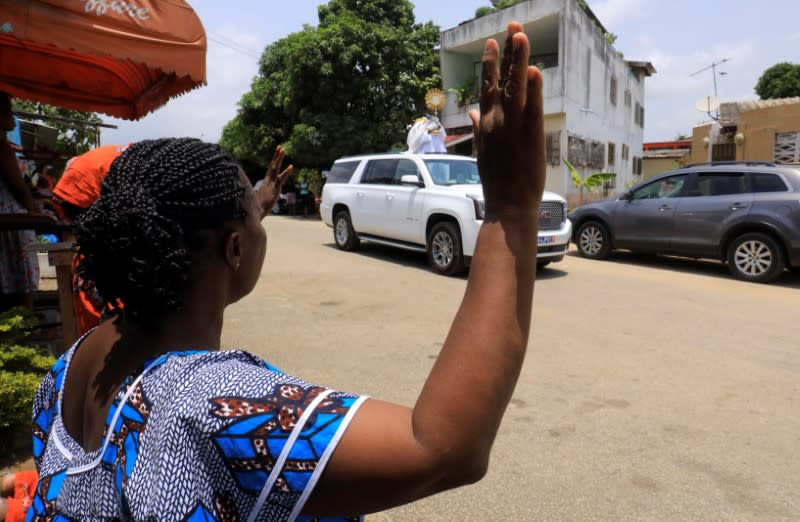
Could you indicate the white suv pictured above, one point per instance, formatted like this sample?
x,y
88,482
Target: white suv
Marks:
x,y
429,203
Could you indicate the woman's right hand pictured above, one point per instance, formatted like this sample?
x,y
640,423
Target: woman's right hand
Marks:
x,y
509,129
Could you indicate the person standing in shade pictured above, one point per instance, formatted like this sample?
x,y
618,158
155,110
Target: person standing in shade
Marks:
x,y
19,266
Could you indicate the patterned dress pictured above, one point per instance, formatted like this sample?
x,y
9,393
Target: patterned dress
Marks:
x,y
19,267
196,436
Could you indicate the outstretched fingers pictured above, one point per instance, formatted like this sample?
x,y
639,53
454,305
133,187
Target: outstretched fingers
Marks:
x,y
489,77
508,52
534,95
516,87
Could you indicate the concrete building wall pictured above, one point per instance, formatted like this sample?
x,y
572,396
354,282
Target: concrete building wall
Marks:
x,y
757,126
700,148
577,88
654,166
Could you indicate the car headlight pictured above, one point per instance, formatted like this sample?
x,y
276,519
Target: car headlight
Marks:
x,y
480,206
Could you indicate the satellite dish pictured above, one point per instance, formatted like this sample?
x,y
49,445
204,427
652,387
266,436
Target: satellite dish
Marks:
x,y
707,104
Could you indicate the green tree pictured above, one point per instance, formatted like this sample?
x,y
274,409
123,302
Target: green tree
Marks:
x,y
350,85
73,138
590,182
782,80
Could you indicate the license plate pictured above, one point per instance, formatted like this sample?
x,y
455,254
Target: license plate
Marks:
x,y
546,240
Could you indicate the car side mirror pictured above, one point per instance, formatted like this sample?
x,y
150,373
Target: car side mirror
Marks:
x,y
411,179
627,196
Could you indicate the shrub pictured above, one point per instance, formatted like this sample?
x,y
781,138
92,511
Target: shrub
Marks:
x,y
21,369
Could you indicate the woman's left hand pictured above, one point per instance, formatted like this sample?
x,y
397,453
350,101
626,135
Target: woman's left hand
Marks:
x,y
270,189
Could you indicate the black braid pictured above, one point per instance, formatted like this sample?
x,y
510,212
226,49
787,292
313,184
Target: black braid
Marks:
x,y
136,239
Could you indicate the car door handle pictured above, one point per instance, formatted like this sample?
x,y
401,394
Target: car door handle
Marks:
x,y
662,208
737,206
389,196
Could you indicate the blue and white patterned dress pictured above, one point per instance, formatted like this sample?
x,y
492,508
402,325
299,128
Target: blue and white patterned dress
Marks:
x,y
196,436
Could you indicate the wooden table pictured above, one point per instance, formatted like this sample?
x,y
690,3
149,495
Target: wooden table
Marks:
x,y
60,256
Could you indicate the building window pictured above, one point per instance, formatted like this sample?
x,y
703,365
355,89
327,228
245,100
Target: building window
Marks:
x,y
586,153
576,151
723,152
624,152
638,115
553,148
597,155
612,152
627,97
637,166
787,147
613,90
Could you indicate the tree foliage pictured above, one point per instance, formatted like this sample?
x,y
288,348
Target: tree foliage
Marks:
x,y
73,138
350,85
782,80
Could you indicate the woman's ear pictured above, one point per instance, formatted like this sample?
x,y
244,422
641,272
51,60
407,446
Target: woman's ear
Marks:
x,y
233,250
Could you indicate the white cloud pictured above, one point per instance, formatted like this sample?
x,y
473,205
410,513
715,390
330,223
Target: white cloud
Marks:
x,y
612,12
231,64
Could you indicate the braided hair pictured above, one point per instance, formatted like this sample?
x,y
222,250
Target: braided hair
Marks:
x,y
136,241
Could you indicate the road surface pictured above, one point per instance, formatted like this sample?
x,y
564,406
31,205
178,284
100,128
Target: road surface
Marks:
x,y
654,388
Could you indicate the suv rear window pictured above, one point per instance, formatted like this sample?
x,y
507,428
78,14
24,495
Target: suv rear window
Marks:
x,y
768,183
342,172
719,184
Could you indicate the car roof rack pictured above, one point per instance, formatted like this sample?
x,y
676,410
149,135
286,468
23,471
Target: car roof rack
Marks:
x,y
723,163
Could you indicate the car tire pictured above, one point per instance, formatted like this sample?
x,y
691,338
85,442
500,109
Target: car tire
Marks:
x,y
540,265
343,234
593,240
755,257
444,249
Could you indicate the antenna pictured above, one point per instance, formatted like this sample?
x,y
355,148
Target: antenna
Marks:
x,y
713,68
710,103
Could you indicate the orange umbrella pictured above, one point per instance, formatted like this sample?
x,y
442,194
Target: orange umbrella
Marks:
x,y
124,58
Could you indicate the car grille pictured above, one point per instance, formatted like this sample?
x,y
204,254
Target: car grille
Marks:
x,y
551,215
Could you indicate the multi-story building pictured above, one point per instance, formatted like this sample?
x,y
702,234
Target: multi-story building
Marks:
x,y
593,97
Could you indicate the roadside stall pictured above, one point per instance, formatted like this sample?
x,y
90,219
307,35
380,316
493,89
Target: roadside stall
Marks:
x,y
121,58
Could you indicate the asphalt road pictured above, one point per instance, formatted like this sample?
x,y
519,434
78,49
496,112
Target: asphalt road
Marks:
x,y
654,388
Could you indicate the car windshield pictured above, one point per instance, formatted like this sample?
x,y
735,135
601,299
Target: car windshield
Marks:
x,y
453,171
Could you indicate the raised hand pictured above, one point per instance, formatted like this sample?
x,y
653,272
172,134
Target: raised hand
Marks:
x,y
274,179
509,130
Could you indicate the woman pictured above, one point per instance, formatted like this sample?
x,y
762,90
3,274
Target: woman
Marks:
x,y
146,417
19,267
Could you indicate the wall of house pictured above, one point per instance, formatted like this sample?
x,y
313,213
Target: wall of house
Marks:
x,y
700,150
591,114
759,127
654,166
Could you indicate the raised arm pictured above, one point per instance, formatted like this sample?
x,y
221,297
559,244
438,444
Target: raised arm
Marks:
x,y
391,455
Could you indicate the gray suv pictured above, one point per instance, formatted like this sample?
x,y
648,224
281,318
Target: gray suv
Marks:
x,y
746,214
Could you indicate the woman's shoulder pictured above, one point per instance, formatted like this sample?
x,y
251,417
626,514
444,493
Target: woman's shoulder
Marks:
x,y
232,382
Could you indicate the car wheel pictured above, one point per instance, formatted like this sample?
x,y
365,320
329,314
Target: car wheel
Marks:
x,y
755,257
444,249
343,234
593,240
541,264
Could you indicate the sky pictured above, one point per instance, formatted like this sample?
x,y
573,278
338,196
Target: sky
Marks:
x,y
678,37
